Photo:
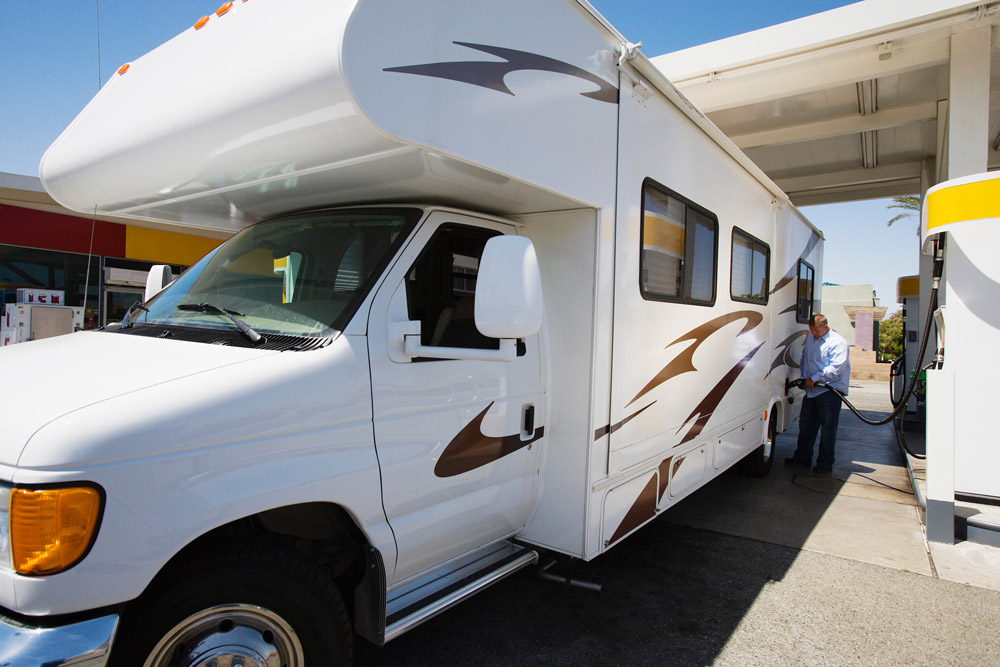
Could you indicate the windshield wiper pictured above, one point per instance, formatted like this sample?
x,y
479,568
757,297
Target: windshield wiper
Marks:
x,y
244,328
129,318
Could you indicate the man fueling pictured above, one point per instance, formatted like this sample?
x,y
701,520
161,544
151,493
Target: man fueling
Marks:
x,y
825,364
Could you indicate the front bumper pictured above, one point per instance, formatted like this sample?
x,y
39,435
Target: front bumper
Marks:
x,y
83,644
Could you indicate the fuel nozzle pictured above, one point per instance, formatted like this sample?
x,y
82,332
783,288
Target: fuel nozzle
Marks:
x,y
797,383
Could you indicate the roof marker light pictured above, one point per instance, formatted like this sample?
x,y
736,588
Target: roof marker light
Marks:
x,y
124,68
200,22
223,9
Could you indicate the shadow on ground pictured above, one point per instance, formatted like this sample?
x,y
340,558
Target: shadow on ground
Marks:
x,y
675,591
672,595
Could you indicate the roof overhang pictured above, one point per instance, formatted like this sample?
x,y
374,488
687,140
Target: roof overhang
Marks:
x,y
845,105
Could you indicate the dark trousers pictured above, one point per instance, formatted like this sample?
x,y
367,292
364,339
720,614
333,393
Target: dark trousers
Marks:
x,y
821,414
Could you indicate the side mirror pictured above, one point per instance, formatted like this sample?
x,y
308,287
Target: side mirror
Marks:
x,y
159,277
509,289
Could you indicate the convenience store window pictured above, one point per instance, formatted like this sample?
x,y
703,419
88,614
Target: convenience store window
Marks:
x,y
46,269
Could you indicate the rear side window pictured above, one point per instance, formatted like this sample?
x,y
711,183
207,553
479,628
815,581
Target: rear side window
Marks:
x,y
750,268
804,297
677,261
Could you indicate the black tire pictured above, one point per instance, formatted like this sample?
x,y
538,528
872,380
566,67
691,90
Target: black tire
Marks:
x,y
246,600
758,462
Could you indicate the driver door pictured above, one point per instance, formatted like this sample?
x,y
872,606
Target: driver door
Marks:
x,y
457,440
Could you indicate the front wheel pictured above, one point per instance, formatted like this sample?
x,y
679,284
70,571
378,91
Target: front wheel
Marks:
x,y
758,462
249,605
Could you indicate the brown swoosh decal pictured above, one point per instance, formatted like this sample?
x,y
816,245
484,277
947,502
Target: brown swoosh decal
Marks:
x,y
604,430
664,478
683,363
678,462
711,401
792,272
643,509
784,356
791,309
471,448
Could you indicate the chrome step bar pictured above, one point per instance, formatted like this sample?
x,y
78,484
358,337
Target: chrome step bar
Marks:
x,y
416,613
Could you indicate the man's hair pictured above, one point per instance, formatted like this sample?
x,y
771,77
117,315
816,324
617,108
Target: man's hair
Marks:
x,y
819,320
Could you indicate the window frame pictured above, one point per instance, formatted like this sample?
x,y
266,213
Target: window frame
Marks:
x,y
649,295
767,266
798,289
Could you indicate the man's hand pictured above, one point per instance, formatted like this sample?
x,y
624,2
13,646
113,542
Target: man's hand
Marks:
x,y
809,383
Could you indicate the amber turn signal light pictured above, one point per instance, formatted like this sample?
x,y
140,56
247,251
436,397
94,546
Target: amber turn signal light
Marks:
x,y
52,529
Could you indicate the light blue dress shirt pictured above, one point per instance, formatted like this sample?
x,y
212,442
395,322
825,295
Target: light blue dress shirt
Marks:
x,y
826,359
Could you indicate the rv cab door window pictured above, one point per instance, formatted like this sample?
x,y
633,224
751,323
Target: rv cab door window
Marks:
x,y
441,288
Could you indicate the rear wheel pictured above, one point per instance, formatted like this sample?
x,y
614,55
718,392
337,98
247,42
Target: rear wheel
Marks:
x,y
758,462
246,605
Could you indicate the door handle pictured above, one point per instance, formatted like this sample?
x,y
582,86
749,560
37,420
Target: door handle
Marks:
x,y
528,420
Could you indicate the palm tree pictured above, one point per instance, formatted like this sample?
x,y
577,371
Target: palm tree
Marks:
x,y
910,204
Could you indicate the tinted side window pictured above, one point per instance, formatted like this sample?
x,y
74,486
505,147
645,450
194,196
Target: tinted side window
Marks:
x,y
804,298
441,288
677,260
750,268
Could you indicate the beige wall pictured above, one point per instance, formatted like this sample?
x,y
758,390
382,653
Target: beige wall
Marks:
x,y
835,297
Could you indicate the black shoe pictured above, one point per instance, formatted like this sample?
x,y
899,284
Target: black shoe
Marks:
x,y
792,461
820,470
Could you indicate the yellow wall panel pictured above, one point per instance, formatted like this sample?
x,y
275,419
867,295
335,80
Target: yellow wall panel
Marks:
x,y
153,245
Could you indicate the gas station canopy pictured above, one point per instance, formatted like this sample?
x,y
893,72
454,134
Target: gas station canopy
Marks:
x,y
876,99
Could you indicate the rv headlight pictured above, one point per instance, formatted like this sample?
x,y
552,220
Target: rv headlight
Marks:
x,y
5,563
52,528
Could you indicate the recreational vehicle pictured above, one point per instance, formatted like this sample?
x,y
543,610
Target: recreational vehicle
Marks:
x,y
494,288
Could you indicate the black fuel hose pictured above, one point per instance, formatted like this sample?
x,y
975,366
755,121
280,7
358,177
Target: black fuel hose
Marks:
x,y
895,371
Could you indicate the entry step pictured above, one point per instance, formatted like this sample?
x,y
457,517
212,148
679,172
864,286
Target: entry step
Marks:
x,y
428,596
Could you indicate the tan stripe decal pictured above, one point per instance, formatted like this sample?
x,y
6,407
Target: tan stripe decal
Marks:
x,y
642,510
472,448
683,362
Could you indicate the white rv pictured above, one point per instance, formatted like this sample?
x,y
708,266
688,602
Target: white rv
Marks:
x,y
495,288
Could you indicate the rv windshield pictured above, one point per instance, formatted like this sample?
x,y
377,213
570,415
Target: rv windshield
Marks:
x,y
301,275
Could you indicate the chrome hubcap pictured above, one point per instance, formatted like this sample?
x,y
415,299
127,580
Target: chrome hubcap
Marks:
x,y
772,432
233,635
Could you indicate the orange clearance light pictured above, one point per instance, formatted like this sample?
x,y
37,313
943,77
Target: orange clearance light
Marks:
x,y
124,68
223,9
200,22
51,529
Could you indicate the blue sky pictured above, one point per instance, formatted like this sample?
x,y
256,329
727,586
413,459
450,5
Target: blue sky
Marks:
x,y
50,67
